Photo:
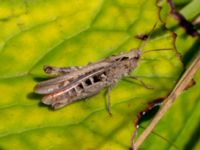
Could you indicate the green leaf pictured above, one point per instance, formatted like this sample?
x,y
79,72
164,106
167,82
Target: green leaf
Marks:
x,y
71,33
191,10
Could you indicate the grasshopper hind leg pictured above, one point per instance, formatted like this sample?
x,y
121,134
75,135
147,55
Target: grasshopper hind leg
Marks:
x,y
58,71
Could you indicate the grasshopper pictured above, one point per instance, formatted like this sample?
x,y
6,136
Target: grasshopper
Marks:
x,y
76,83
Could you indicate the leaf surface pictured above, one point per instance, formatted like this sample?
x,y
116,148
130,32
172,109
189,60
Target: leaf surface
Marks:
x,y
71,33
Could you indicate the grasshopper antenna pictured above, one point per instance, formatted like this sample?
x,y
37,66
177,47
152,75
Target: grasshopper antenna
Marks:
x,y
161,49
141,47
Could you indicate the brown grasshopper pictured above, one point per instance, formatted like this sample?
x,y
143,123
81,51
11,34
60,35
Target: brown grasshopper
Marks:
x,y
76,83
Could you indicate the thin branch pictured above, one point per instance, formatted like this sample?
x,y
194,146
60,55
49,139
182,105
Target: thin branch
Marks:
x,y
178,89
